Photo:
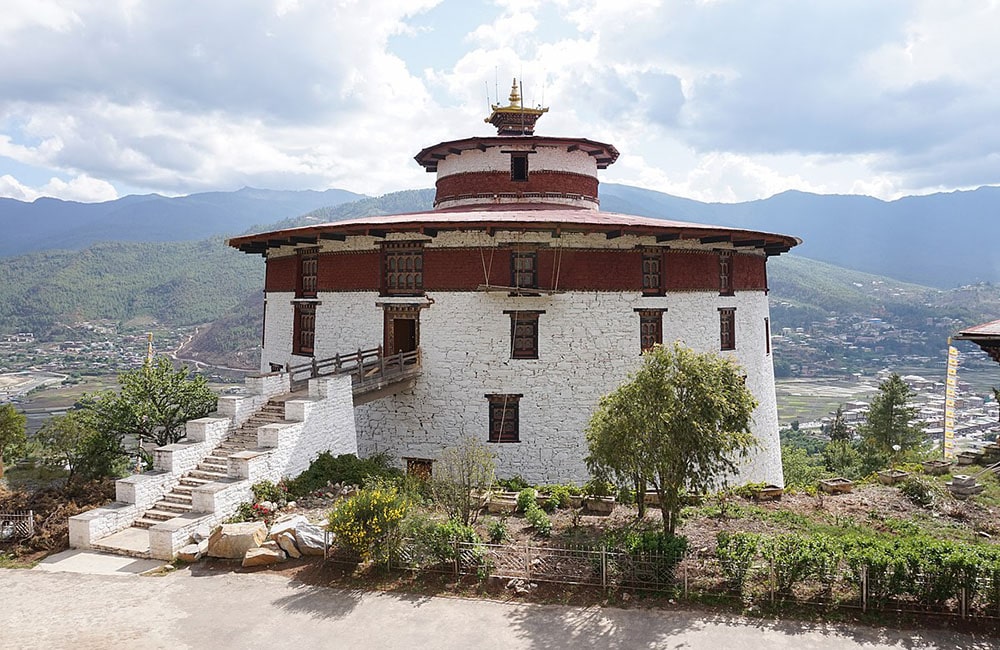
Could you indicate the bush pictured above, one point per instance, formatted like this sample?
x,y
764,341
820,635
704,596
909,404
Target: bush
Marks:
x,y
526,499
368,523
921,491
497,531
269,491
791,558
538,520
736,553
346,469
461,475
598,488
515,484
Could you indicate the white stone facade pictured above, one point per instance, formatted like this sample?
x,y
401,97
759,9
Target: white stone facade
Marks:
x,y
588,343
497,159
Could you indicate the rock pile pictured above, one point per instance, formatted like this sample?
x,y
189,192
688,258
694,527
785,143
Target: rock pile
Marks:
x,y
256,545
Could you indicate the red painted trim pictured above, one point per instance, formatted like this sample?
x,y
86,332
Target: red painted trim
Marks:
x,y
469,183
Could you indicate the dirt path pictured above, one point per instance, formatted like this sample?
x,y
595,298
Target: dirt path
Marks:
x,y
195,607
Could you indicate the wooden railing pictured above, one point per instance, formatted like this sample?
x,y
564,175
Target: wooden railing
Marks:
x,y
369,369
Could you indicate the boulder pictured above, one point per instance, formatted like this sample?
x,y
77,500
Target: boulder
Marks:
x,y
201,533
193,552
232,541
286,540
310,539
263,557
286,524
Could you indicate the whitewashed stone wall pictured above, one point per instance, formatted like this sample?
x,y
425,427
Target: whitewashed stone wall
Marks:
x,y
588,343
544,158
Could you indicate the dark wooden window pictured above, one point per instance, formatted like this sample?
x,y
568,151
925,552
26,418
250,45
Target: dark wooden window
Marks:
x,y
767,336
519,167
727,328
524,334
651,272
305,327
524,269
422,468
308,268
504,418
404,268
650,328
726,273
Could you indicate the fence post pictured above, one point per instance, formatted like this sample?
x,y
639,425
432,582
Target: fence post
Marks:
x,y
864,588
454,544
964,604
685,564
770,572
604,566
527,560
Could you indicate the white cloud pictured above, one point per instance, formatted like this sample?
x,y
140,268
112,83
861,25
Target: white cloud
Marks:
x,y
720,100
80,188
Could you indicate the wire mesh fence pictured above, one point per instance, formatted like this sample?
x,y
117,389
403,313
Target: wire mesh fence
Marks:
x,y
696,574
17,525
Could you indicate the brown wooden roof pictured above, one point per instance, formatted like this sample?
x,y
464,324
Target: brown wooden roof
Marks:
x,y
520,217
605,154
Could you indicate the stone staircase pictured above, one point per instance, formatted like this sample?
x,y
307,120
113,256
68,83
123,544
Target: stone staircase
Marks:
x,y
213,467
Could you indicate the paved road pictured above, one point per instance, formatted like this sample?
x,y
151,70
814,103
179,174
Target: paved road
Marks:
x,y
263,610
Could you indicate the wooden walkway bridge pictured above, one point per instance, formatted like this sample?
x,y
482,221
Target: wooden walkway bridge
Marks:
x,y
373,373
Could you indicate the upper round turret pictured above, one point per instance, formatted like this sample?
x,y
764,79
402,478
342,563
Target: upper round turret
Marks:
x,y
516,166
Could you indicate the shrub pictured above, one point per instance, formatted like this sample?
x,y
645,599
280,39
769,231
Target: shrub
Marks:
x,y
462,473
497,531
368,523
526,499
791,558
515,484
346,469
736,553
921,491
598,488
441,537
538,520
269,491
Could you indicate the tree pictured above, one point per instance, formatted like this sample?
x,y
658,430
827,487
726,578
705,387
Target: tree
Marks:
x,y
680,423
153,404
12,437
838,428
889,428
64,442
799,468
461,474
996,398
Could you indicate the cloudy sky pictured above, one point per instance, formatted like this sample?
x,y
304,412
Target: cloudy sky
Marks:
x,y
718,100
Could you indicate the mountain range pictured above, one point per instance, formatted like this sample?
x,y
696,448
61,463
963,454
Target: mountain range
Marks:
x,y
939,240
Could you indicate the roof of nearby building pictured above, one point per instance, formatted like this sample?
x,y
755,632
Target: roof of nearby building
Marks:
x,y
524,217
605,154
986,330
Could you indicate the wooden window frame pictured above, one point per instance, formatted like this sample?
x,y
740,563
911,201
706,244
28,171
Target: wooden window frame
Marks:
x,y
504,423
727,328
519,169
650,328
726,273
308,273
523,334
403,268
304,335
652,273
521,278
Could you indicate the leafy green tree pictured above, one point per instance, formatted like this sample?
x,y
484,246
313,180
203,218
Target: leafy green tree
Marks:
x,y
153,404
462,475
680,423
12,437
63,441
799,468
889,429
842,459
838,428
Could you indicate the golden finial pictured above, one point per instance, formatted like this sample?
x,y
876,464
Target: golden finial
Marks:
x,y
515,96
